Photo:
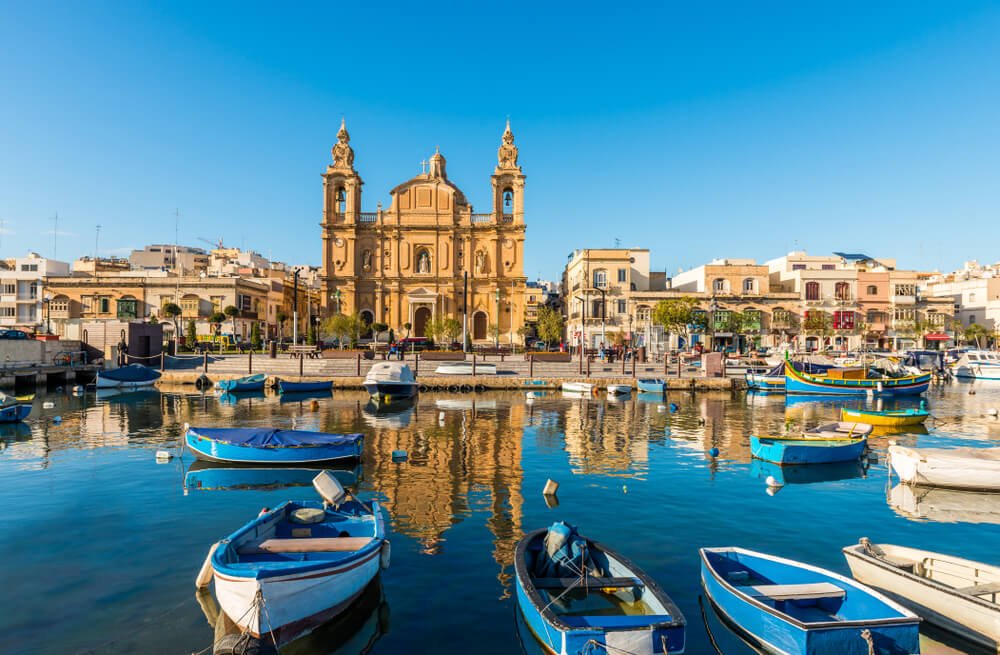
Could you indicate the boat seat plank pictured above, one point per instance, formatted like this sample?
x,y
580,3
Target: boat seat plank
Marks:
x,y
806,591
306,545
565,583
980,589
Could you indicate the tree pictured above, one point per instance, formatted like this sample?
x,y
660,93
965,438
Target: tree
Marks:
x,y
434,328
550,325
523,332
675,315
232,312
217,318
281,317
378,329
977,333
451,328
255,336
191,338
494,332
173,310
818,323
344,327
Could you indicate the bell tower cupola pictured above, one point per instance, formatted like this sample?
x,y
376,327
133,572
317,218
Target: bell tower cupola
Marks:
x,y
508,182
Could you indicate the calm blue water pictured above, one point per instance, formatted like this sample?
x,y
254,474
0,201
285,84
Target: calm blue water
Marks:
x,y
101,544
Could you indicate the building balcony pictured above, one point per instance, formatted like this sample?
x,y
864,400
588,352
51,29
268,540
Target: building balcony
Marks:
x,y
904,300
481,219
368,217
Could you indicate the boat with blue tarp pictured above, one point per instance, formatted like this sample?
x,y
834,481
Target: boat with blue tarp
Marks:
x,y
578,596
292,569
311,386
246,383
131,376
791,607
270,445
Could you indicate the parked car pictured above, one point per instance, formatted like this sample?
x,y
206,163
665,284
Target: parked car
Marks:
x,y
14,334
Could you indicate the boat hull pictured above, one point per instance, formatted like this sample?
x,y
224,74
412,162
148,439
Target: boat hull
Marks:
x,y
652,386
284,386
772,383
889,418
465,368
578,387
805,383
807,451
972,618
15,413
619,389
958,468
391,390
235,386
210,450
102,382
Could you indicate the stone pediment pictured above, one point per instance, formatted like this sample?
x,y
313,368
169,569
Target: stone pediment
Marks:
x,y
431,191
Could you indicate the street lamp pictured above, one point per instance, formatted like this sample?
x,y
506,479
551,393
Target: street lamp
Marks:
x,y
496,335
713,307
47,299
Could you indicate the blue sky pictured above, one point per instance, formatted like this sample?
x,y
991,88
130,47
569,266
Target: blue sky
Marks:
x,y
729,129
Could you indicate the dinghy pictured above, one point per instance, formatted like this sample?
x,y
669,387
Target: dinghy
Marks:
x,y
293,568
578,596
887,418
390,380
651,385
247,383
578,387
790,607
957,468
619,389
11,410
956,594
808,449
316,386
128,377
767,380
270,446
465,368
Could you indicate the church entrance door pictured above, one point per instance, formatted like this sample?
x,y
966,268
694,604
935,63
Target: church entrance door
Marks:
x,y
420,319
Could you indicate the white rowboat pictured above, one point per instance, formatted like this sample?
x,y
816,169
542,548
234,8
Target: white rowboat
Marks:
x,y
956,594
956,468
465,368
578,387
619,389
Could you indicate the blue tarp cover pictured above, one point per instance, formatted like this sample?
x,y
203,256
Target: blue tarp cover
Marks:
x,y
131,373
271,438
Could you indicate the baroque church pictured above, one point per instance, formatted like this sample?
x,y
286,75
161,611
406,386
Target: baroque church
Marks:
x,y
428,255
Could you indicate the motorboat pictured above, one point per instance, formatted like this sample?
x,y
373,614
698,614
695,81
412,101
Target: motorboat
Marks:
x,y
309,386
782,450
978,365
958,595
270,446
390,380
651,385
772,380
128,377
956,468
12,410
579,596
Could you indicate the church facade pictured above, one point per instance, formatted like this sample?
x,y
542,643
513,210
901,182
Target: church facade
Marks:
x,y
428,255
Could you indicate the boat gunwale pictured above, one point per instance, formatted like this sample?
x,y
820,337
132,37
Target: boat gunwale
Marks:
x,y
550,617
908,616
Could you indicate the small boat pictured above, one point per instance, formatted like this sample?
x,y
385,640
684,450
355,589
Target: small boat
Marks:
x,y
651,385
11,410
291,569
210,476
247,383
956,468
465,368
270,446
578,596
390,380
619,389
789,607
285,386
958,595
772,380
825,444
129,377
978,365
578,387
887,418
852,382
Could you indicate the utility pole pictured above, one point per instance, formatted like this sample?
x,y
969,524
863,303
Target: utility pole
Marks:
x,y
295,307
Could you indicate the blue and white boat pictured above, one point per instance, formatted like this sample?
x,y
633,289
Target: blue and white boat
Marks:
x,y
792,608
292,569
127,377
312,386
772,380
651,385
835,382
784,451
247,383
577,596
12,411
270,446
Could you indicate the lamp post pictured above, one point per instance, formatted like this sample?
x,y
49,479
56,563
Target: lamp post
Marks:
x,y
713,307
496,335
295,307
47,299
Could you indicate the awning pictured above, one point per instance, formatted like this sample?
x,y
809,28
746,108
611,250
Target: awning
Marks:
x,y
937,336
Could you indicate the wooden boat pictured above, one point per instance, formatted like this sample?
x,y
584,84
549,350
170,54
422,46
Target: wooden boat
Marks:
x,y
578,596
807,450
836,382
789,607
579,387
246,383
887,418
772,380
651,385
313,386
293,568
958,595
390,380
270,446
619,389
465,368
956,468
11,410
838,430
128,377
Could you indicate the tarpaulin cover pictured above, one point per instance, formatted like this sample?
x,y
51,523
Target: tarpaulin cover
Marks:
x,y
271,438
131,373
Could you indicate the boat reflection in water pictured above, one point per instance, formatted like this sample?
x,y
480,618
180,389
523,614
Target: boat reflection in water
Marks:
x,y
18,431
353,632
211,476
393,415
304,396
944,505
232,398
807,473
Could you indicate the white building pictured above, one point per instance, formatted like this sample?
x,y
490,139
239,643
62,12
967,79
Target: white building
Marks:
x,y
975,291
21,301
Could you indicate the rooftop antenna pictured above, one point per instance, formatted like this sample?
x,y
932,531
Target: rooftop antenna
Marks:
x,y
618,242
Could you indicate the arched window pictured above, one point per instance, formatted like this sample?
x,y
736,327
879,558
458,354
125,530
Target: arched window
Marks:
x,y
750,285
812,290
600,279
508,201
842,291
341,201
720,285
872,290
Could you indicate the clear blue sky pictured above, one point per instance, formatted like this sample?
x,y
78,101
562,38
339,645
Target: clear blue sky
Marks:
x,y
733,129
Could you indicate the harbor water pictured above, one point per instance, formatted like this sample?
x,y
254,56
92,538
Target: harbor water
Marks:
x,y
101,543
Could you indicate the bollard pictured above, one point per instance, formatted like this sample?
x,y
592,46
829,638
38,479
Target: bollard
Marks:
x,y
531,366
204,365
163,359
633,364
358,365
302,361
250,363
416,364
473,364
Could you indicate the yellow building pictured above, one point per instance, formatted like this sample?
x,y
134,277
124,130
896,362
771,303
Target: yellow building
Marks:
x,y
411,262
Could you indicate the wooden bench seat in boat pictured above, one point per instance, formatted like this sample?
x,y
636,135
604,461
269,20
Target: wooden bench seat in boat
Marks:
x,y
813,590
603,583
986,589
306,545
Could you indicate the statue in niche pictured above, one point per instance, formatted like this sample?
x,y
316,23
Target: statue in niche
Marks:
x,y
423,262
480,262
366,260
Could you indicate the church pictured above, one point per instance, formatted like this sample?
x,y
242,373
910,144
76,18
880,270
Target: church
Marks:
x,y
428,255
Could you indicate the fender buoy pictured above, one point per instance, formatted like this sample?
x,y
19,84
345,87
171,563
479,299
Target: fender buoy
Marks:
x,y
384,555
234,644
453,388
202,382
466,388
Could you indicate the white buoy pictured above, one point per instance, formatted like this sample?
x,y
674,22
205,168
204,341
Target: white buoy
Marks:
x,y
205,574
771,482
163,456
551,487
661,408
772,490
48,404
624,488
